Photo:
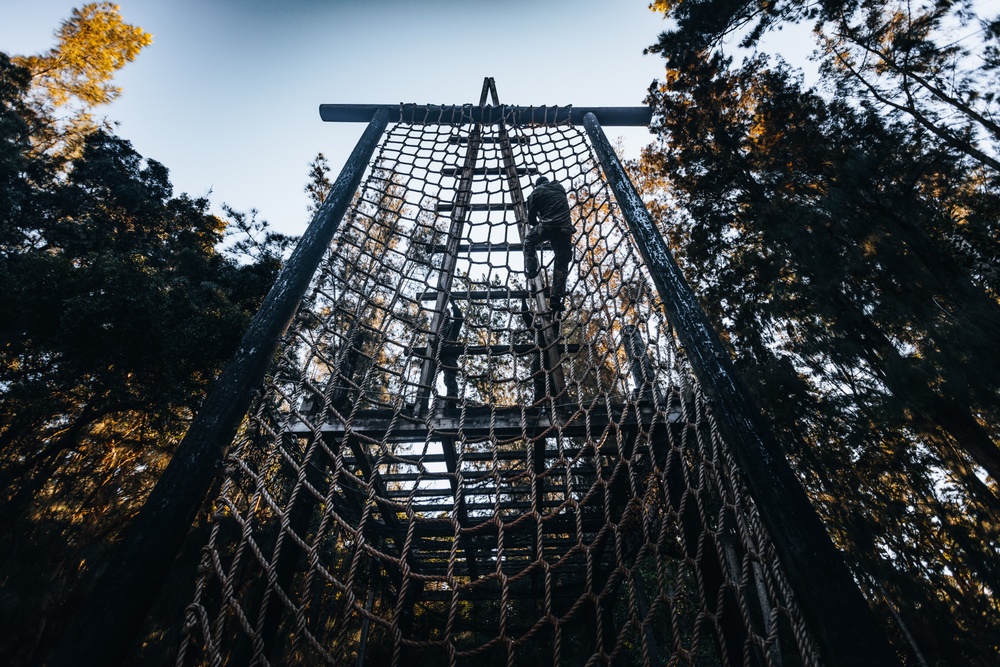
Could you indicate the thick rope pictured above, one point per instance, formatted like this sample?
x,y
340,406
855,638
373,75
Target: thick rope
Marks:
x,y
582,513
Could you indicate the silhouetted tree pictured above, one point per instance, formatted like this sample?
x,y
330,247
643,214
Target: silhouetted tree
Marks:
x,y
119,310
848,254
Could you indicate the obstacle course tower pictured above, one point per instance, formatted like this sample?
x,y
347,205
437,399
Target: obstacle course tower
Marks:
x,y
596,491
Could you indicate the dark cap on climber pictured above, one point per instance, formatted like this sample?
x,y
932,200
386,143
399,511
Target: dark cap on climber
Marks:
x,y
540,180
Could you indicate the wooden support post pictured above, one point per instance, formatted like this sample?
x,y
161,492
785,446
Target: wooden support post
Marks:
x,y
446,275
370,472
642,368
451,462
546,322
549,353
365,625
839,618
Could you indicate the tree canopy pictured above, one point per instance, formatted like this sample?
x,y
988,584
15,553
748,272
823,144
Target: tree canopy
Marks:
x,y
77,74
844,240
121,304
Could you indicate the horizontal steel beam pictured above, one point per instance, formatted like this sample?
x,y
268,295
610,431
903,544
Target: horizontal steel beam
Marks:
x,y
435,114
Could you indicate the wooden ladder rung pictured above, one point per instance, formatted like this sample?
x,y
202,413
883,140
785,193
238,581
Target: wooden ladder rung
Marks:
x,y
520,139
482,246
487,206
490,294
487,171
518,349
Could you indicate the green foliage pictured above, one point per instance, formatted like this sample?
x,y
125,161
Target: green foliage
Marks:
x,y
94,43
77,74
848,251
120,309
931,63
319,184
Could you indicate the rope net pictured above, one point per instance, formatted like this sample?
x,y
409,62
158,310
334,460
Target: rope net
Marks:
x,y
519,489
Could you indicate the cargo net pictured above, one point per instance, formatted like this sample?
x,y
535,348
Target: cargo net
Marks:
x,y
519,489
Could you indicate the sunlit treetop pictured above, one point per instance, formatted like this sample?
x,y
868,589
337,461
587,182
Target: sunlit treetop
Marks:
x,y
93,44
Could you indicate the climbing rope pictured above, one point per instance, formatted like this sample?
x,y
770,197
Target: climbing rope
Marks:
x,y
573,502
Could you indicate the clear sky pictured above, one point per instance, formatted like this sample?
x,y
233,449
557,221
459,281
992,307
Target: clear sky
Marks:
x,y
227,95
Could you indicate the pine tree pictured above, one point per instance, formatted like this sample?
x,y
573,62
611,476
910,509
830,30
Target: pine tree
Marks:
x,y
120,309
820,236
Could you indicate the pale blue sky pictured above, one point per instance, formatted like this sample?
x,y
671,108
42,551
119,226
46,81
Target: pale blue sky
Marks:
x,y
227,95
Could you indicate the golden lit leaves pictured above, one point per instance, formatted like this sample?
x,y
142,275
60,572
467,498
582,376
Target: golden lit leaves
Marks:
x,y
94,43
663,6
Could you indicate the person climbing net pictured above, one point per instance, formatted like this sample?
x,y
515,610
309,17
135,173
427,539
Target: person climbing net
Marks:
x,y
549,219
571,503
450,350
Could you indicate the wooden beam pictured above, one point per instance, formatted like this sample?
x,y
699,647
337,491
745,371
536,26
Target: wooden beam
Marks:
x,y
517,349
472,423
482,246
434,114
